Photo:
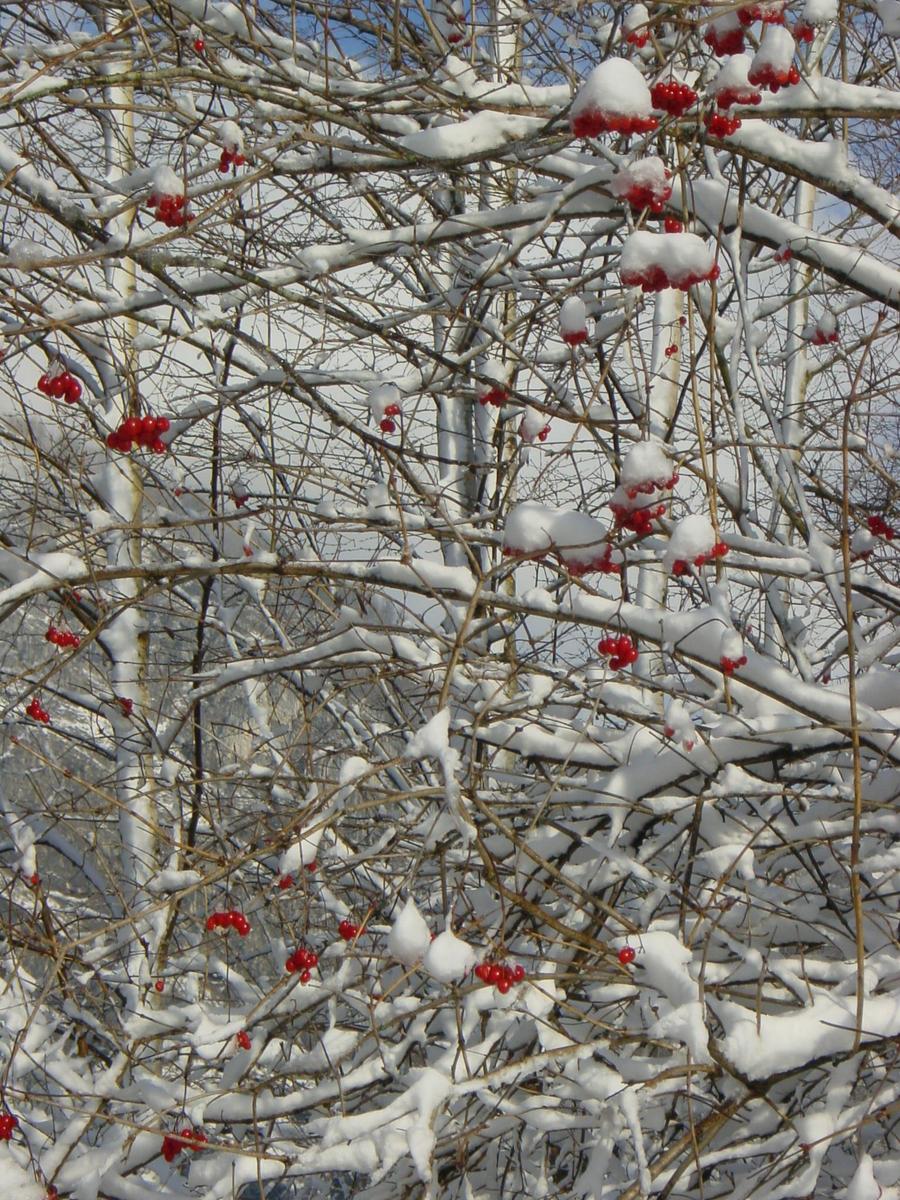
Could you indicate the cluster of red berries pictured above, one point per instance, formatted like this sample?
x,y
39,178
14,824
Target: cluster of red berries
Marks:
x,y
302,960
348,930
737,95
594,121
61,386
682,567
637,520
638,38
724,42
288,881
37,712
822,337
230,158
142,431
730,665
649,195
62,637
187,1139
718,125
541,435
496,395
171,210
500,975
604,564
803,32
880,528
673,98
648,486
669,731
767,76
654,278
671,351
393,410
626,955
783,254
7,1124
243,1040
769,15
126,704
233,919
621,651
673,225
574,337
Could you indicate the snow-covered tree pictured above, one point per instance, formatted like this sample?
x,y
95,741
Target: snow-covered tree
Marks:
x,y
448,600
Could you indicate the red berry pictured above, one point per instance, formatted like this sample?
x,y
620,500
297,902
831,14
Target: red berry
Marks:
x,y
243,1040
285,882
518,973
626,955
159,985
388,426
199,45
43,384
305,976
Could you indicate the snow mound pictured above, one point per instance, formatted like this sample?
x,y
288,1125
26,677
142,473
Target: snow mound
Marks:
x,y
692,538
614,98
533,530
655,261
573,321
643,184
732,84
231,137
409,937
448,958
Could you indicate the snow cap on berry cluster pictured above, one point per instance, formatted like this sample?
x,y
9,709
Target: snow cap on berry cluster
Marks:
x,y
646,462
772,65
382,397
409,937
615,88
448,958
655,261
731,85
725,35
692,537
823,329
573,318
644,183
529,529
776,49
636,19
532,530
231,137
533,425
819,12
731,645
678,723
165,182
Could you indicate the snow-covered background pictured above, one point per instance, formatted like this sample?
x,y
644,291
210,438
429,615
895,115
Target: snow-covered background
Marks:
x,y
454,752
